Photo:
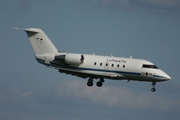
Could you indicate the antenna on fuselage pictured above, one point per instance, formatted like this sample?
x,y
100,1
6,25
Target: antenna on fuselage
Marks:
x,y
112,55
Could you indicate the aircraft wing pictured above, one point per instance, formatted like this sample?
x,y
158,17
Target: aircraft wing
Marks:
x,y
82,75
87,75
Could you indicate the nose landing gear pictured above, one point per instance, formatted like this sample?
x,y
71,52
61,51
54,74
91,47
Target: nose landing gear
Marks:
x,y
153,89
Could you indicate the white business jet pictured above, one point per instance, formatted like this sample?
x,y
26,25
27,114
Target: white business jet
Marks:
x,y
93,66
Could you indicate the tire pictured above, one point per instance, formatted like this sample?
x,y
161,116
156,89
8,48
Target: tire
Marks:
x,y
153,90
90,84
99,84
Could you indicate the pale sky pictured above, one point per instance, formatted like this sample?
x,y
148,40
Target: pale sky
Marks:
x,y
145,29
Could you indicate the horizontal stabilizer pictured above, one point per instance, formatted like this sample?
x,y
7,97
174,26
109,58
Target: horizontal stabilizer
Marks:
x,y
27,30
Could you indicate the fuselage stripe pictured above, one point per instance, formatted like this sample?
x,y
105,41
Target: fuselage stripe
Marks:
x,y
91,69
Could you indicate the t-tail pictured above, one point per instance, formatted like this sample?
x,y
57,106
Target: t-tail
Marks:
x,y
40,41
43,47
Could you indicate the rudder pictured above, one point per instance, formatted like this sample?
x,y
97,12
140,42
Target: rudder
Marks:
x,y
40,41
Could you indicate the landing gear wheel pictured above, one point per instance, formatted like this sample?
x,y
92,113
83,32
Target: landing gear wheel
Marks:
x,y
99,84
153,89
90,84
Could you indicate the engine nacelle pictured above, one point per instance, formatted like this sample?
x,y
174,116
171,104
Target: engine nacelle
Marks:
x,y
74,59
71,59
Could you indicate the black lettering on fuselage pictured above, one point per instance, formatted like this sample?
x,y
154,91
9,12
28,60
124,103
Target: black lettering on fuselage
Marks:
x,y
116,60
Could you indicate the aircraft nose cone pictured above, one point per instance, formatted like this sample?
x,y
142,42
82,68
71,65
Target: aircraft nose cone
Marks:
x,y
168,77
165,76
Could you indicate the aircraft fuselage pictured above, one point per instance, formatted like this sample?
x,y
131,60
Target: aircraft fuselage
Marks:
x,y
115,68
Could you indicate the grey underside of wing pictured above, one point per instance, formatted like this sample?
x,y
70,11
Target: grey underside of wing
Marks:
x,y
82,75
86,75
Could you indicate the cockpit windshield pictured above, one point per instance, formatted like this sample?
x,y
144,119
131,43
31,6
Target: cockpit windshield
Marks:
x,y
150,66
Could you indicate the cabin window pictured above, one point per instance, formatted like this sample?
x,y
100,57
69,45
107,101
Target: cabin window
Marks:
x,y
100,64
94,63
117,65
106,64
112,65
150,66
123,66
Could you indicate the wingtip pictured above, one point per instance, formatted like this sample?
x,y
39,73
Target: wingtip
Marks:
x,y
14,28
17,28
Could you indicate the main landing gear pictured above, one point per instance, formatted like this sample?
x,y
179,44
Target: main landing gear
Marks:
x,y
99,83
153,89
90,82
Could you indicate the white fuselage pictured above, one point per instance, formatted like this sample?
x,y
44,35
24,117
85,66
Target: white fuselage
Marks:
x,y
116,68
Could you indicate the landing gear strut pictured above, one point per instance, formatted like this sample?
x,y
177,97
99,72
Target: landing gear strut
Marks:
x,y
90,82
153,89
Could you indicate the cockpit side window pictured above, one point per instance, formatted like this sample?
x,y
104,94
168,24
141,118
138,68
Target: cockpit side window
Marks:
x,y
155,67
150,66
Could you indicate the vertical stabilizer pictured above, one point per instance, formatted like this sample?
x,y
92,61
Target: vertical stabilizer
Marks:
x,y
40,41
